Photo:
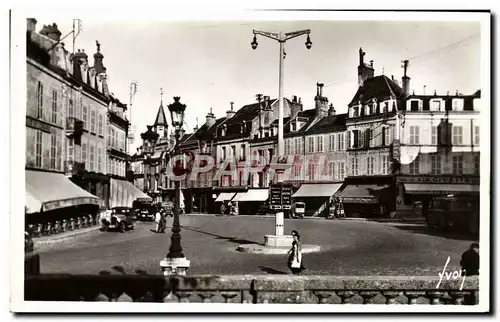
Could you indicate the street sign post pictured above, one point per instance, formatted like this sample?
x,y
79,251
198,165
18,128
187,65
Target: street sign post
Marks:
x,y
286,197
275,195
281,196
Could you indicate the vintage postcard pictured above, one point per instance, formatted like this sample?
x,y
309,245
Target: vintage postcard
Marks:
x,y
201,160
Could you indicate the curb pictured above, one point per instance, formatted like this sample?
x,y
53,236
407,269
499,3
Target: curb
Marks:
x,y
61,238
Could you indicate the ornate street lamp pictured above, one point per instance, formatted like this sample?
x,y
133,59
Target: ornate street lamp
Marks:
x,y
149,139
175,261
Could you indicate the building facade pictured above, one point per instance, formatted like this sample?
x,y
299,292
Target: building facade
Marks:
x,y
75,125
398,143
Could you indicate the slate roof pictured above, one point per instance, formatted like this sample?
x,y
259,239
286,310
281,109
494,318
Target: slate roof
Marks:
x,y
329,123
247,113
379,87
310,114
209,130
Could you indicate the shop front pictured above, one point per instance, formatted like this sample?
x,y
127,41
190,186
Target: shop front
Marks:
x,y
225,195
251,201
52,197
316,197
368,196
416,192
125,194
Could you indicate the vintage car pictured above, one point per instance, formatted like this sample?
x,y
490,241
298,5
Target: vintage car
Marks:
x,y
119,218
145,214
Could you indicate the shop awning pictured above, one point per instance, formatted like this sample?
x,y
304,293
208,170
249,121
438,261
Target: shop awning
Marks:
x,y
440,189
225,196
48,191
124,193
363,193
317,190
252,195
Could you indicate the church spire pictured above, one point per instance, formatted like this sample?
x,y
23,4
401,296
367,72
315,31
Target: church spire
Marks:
x,y
161,119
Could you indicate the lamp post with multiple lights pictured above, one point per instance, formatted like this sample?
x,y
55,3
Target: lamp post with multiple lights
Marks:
x,y
278,239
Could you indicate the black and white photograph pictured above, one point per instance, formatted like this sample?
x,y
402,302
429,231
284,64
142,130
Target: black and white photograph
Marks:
x,y
204,159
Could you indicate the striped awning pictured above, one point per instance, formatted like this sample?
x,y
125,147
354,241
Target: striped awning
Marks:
x,y
440,189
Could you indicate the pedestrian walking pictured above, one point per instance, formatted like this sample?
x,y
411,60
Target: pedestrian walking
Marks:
x,y
470,260
163,221
295,262
158,220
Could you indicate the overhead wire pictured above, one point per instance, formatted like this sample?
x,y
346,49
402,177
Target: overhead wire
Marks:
x,y
420,57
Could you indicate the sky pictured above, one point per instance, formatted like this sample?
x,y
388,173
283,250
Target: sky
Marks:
x,y
210,63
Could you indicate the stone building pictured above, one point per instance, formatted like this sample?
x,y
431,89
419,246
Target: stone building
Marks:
x,y
50,104
88,143
398,143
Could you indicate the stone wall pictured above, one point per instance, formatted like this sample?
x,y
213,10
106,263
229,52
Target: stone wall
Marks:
x,y
253,289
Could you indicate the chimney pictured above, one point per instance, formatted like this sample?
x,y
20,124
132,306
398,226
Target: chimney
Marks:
x,y
294,99
231,112
31,24
295,107
331,110
321,102
98,65
210,121
406,79
52,32
196,128
365,71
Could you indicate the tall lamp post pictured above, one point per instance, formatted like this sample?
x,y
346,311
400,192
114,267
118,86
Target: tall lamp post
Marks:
x,y
175,263
281,38
278,239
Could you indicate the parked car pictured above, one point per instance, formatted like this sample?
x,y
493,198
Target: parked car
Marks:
x,y
145,214
168,207
119,218
298,210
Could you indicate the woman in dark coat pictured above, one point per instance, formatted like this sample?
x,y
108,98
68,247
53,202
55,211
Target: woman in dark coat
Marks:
x,y
295,262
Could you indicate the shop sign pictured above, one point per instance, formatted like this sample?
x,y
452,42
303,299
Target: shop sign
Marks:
x,y
443,179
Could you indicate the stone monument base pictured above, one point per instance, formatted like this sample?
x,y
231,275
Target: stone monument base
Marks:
x,y
278,241
175,266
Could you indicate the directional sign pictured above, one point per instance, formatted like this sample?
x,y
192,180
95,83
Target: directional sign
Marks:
x,y
275,197
286,197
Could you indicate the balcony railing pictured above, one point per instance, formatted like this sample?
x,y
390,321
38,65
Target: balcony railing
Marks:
x,y
72,168
74,127
253,289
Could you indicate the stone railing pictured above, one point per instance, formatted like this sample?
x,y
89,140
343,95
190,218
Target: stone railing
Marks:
x,y
252,289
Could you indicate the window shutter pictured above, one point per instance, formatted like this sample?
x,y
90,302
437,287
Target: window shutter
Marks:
x,y
367,138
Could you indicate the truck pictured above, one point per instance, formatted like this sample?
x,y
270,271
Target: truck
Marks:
x,y
453,213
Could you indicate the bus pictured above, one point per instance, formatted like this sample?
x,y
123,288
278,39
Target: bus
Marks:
x,y
454,214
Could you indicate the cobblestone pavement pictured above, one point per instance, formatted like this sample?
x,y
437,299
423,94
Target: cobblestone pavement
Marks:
x,y
348,248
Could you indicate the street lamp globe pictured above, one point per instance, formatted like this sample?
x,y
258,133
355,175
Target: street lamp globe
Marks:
x,y
308,42
254,42
177,113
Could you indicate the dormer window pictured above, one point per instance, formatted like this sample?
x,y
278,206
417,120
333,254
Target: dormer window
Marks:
x,y
413,105
355,112
435,105
457,104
